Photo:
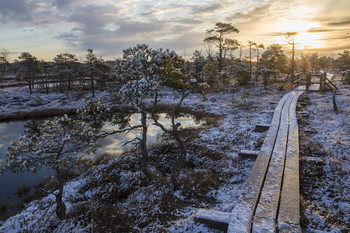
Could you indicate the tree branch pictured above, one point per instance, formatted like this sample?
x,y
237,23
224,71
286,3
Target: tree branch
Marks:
x,y
126,130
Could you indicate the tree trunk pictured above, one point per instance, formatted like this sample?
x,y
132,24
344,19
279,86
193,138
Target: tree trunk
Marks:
x,y
240,53
293,52
30,86
47,85
179,163
175,177
250,62
220,58
92,86
32,82
60,206
144,151
266,80
335,107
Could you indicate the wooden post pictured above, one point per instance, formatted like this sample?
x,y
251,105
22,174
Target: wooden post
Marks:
x,y
335,107
297,78
308,81
324,79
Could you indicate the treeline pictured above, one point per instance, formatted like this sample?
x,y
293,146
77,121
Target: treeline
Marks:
x,y
216,65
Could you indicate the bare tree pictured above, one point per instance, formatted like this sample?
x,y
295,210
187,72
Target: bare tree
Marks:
x,y
65,64
219,37
260,46
29,67
91,69
251,44
4,59
290,39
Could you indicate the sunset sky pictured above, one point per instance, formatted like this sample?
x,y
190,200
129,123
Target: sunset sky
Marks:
x,y
46,28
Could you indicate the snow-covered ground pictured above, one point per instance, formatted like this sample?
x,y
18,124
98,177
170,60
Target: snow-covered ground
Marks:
x,y
115,193
16,102
325,162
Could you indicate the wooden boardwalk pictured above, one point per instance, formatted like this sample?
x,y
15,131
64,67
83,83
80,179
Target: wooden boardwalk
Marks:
x,y
270,200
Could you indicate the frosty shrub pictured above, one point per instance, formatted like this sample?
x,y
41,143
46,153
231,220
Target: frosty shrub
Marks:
x,y
265,74
242,73
61,144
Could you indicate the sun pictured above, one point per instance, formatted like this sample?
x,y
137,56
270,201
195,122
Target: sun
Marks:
x,y
304,39
295,25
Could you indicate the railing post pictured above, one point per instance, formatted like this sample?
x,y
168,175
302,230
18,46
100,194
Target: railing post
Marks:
x,y
308,81
322,80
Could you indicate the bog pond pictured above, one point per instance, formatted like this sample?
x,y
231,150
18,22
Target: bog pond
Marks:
x,y
11,183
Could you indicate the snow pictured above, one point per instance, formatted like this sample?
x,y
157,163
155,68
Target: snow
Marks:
x,y
16,100
234,132
325,163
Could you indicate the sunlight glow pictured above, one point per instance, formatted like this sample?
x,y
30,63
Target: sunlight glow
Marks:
x,y
304,39
296,25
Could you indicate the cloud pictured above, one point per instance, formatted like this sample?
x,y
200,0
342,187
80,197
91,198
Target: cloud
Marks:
x,y
321,29
165,11
343,22
108,30
17,10
29,12
345,37
275,34
64,3
207,9
108,26
250,15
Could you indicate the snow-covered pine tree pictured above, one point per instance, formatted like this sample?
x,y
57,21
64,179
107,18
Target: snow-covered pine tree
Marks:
x,y
141,68
61,144
182,85
147,70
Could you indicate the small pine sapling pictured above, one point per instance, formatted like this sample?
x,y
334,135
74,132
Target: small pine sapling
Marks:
x,y
60,144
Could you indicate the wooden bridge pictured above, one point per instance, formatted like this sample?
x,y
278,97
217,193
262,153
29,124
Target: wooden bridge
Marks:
x,y
270,200
270,197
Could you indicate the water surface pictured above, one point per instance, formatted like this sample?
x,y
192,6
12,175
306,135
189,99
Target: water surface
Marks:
x,y
10,131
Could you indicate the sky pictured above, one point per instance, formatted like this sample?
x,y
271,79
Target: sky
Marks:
x,y
46,28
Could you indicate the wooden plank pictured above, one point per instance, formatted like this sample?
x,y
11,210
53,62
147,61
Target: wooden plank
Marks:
x,y
261,127
214,219
248,153
329,80
267,111
289,210
316,160
267,208
242,213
